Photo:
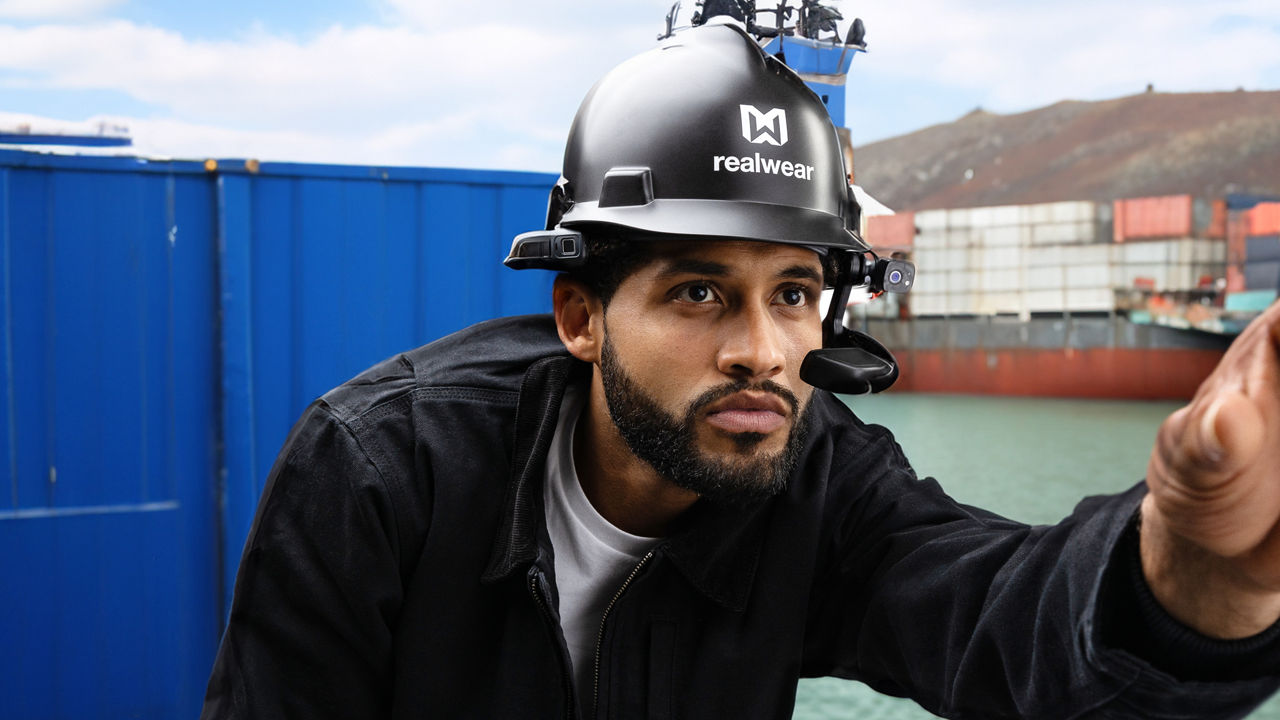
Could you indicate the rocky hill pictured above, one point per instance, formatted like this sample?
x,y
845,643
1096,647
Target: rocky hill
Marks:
x,y
1205,144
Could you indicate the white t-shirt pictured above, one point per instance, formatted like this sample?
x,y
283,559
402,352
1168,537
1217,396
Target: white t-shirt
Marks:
x,y
592,556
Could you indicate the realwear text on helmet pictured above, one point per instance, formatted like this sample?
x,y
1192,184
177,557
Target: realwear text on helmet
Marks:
x,y
757,164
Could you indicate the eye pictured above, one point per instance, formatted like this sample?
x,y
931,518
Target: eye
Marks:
x,y
792,297
696,293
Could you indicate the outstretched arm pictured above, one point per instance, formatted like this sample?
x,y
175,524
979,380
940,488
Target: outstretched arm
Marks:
x,y
1210,534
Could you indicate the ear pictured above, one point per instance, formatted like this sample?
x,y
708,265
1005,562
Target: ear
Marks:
x,y
579,318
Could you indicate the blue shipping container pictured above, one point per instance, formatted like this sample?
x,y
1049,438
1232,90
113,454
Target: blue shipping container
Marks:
x,y
164,324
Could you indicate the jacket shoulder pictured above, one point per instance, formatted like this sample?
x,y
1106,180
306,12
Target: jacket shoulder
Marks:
x,y
488,358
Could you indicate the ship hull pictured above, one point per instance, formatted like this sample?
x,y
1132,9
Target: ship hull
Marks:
x,y
1105,357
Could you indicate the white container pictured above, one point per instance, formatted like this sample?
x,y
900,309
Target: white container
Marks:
x,y
981,217
1150,274
999,302
1046,277
930,239
1089,276
930,259
1006,215
1004,236
962,281
928,304
1141,253
1049,234
1217,251
930,220
963,304
1088,254
1048,300
1094,299
1208,251
1181,277
995,281
1047,255
1069,211
993,258
1063,233
960,218
963,237
929,282
1076,211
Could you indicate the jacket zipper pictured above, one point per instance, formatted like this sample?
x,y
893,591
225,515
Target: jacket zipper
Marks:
x,y
595,697
546,616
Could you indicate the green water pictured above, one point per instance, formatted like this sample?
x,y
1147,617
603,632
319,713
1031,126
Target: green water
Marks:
x,y
1029,458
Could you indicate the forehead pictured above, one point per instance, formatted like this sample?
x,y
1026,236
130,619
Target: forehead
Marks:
x,y
737,257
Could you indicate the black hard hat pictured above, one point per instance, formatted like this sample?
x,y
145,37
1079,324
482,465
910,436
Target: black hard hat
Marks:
x,y
707,135
704,135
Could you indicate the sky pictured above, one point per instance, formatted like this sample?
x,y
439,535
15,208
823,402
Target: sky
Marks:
x,y
495,84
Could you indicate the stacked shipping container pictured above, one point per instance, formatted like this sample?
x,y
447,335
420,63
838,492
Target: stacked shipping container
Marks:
x,y
1031,299
1056,257
1253,262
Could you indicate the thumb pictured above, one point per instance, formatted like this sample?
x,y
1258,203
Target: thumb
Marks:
x,y
1199,474
1225,438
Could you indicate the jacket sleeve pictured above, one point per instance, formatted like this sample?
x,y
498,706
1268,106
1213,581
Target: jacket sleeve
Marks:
x,y
318,588
977,616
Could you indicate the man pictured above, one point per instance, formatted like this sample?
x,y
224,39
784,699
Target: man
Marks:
x,y
640,507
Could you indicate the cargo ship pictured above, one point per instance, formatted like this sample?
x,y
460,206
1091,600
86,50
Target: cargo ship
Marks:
x,y
1133,298
1137,298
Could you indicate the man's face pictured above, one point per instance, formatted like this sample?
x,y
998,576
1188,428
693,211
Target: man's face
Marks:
x,y
701,360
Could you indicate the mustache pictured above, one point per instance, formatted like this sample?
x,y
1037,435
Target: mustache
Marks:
x,y
737,386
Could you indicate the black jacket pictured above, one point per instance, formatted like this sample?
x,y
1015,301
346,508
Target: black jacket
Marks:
x,y
399,567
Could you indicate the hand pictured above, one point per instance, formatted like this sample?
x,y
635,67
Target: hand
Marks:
x,y
1210,535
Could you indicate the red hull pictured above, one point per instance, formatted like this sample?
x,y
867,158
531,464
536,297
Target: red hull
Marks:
x,y
1148,374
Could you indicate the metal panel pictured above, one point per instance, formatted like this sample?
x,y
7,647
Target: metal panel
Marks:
x,y
328,270
107,535
155,312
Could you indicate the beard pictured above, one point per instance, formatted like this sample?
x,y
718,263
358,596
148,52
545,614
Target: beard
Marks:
x,y
669,443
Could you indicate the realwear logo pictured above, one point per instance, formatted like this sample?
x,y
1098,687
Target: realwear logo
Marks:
x,y
767,127
762,127
757,164
758,127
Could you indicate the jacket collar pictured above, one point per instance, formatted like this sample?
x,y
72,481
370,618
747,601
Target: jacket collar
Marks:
x,y
717,548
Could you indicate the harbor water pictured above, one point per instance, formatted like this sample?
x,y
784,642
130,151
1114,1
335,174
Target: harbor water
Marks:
x,y
1031,459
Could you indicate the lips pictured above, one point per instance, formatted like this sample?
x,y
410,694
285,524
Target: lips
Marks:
x,y
748,412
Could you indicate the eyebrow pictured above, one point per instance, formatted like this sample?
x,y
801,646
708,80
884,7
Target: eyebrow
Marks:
x,y
801,272
690,266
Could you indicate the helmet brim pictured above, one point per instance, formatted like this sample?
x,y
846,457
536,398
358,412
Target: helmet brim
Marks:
x,y
733,219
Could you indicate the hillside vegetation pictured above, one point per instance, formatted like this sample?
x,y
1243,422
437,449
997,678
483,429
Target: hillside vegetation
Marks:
x,y
1205,144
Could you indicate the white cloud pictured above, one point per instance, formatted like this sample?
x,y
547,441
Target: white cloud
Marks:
x,y
353,83
496,85
54,9
1026,54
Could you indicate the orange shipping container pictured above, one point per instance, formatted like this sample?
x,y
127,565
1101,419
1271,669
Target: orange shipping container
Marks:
x,y
892,231
1235,279
1218,222
1264,219
1152,217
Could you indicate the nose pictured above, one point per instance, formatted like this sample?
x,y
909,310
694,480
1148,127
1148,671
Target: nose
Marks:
x,y
751,345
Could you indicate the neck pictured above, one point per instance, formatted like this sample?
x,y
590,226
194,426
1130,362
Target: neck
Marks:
x,y
624,489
